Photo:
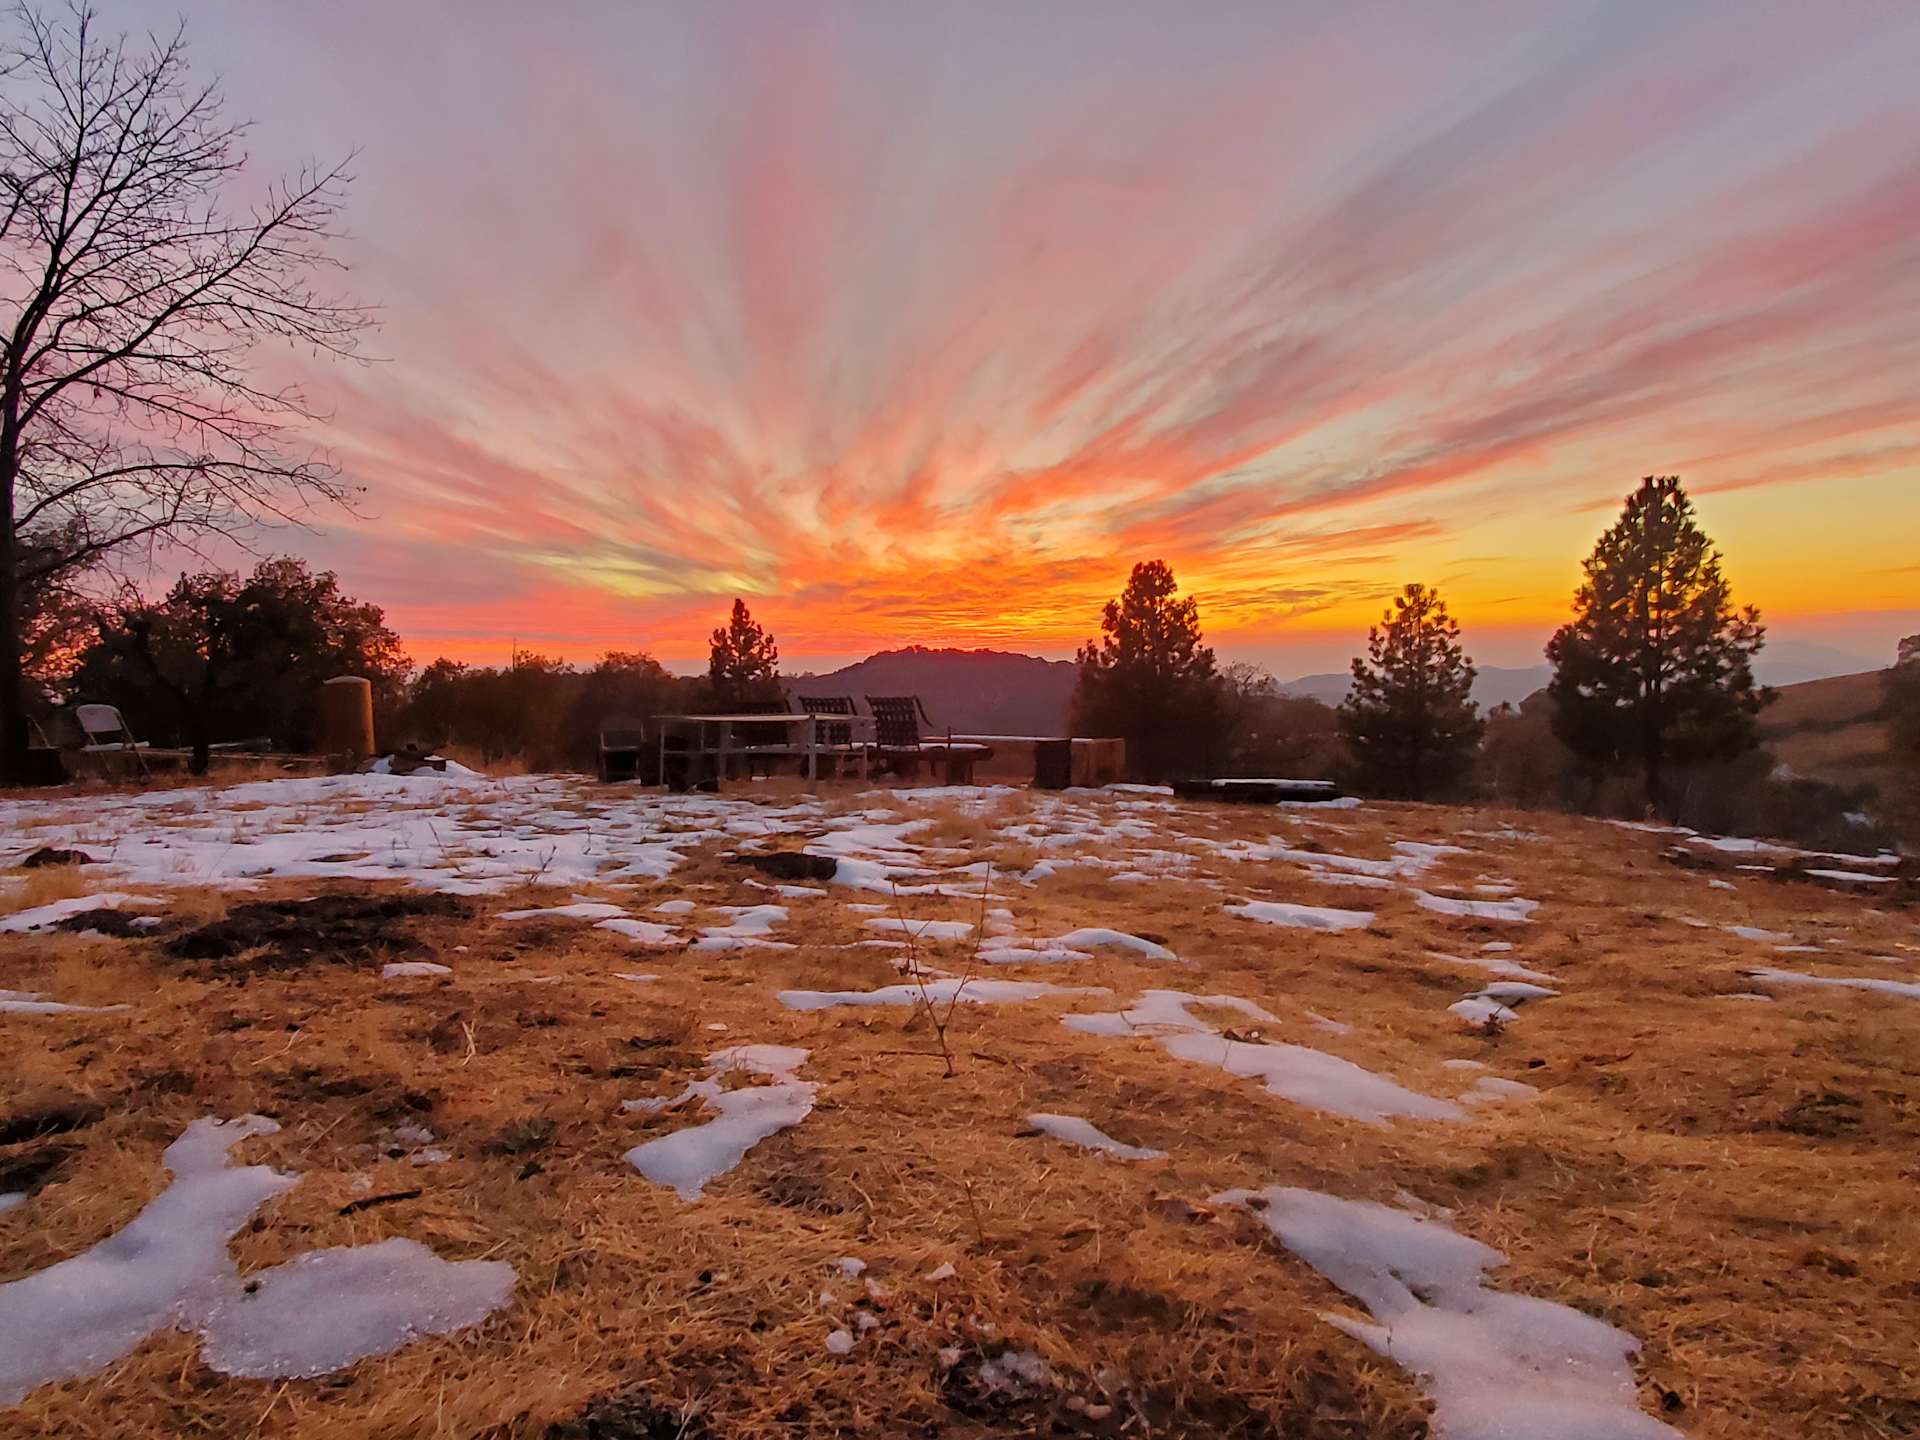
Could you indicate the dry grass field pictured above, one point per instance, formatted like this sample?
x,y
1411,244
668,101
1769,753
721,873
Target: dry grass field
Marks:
x,y
1722,1168
1830,730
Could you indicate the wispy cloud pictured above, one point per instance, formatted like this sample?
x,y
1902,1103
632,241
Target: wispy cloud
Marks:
x,y
922,326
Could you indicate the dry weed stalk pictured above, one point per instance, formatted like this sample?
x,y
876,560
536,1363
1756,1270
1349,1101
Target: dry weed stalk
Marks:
x,y
916,972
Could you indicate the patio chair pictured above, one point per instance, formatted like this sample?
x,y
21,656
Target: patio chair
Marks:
x,y
829,705
899,747
104,731
622,738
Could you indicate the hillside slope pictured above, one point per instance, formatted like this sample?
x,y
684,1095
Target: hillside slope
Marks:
x,y
983,692
1830,730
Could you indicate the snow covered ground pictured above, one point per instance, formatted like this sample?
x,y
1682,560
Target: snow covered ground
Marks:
x,y
1010,1037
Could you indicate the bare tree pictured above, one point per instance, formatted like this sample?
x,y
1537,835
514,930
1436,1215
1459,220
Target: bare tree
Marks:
x,y
136,299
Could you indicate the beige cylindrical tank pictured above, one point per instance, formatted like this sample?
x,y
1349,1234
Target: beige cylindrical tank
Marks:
x,y
346,718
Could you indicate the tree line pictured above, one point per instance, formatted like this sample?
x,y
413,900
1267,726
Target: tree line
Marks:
x,y
1652,706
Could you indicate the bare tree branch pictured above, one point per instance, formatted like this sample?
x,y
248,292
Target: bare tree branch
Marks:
x,y
136,306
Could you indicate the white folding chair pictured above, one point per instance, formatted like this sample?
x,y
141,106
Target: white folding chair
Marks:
x,y
106,732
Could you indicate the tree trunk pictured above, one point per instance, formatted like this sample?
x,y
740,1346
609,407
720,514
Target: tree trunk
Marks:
x,y
13,710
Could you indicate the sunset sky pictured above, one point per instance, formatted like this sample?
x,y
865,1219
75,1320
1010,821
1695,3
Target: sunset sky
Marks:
x,y
917,323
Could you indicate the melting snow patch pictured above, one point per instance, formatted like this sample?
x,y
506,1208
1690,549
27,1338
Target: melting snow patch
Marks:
x,y
412,970
936,992
687,1160
1076,1131
32,1002
1755,933
1294,1072
169,1267
1491,1089
1303,917
925,929
750,927
640,932
1120,939
42,916
1492,964
12,1199
1515,911
673,907
1496,1365
1498,1001
840,1342
579,910
328,1308
1031,955
634,978
1845,982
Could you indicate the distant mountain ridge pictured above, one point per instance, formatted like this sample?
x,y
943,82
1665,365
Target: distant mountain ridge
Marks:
x,y
975,692
1002,692
1492,685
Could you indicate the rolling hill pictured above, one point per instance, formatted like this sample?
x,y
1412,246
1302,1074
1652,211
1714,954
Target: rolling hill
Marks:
x,y
982,692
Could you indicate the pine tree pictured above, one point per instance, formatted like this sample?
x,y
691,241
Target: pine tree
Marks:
x,y
1151,682
744,663
1409,719
1656,666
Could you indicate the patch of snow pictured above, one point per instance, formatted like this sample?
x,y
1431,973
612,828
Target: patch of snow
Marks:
x,y
1493,964
1298,1073
1094,937
1085,1133
674,907
840,1342
1510,911
1302,917
688,1160
32,1002
942,1271
1495,1364
323,1310
924,929
11,1199
634,977
1756,934
579,910
640,932
169,1267
1844,982
412,970
1491,1090
1029,955
40,917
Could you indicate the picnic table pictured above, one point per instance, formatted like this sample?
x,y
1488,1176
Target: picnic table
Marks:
x,y
720,738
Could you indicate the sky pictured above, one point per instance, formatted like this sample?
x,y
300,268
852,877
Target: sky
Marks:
x,y
921,324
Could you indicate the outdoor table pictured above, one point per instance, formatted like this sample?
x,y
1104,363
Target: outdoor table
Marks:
x,y
717,736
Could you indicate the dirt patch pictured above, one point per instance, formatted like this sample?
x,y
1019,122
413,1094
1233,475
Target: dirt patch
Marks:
x,y
790,865
360,930
48,855
117,924
630,1415
48,1115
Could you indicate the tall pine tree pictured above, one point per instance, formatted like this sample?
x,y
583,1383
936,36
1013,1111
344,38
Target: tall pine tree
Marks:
x,y
1409,719
744,663
1656,667
1150,681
